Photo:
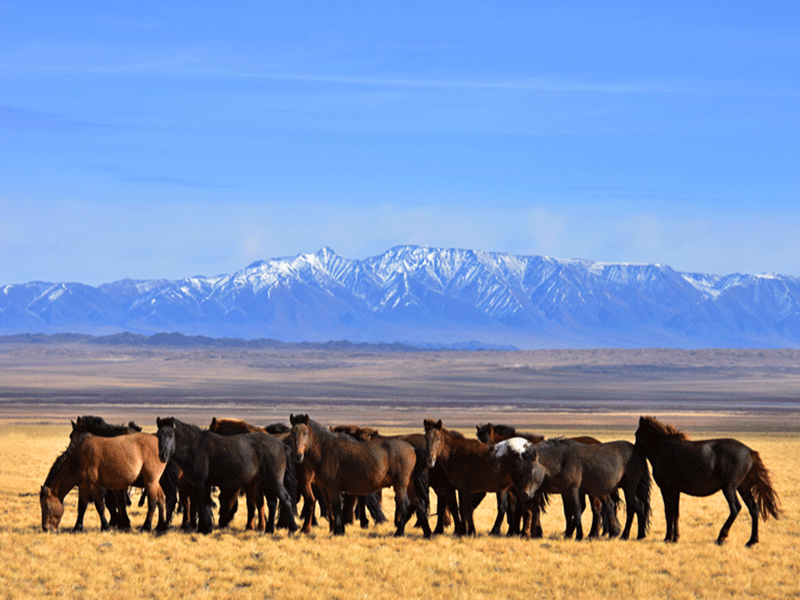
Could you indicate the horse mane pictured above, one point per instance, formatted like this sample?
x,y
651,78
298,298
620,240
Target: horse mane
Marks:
x,y
277,428
64,456
505,430
99,426
663,429
179,423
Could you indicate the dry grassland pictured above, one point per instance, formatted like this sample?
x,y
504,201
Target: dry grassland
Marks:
x,y
371,564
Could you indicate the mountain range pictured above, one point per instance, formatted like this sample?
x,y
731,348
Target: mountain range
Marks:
x,y
429,296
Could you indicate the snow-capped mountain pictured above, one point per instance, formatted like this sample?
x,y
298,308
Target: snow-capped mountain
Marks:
x,y
424,295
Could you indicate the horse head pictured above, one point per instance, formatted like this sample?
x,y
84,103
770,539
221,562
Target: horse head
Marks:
x,y
52,509
530,472
485,433
300,437
433,440
166,438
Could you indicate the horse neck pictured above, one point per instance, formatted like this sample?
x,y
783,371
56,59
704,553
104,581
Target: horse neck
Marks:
x,y
65,477
456,446
320,441
187,439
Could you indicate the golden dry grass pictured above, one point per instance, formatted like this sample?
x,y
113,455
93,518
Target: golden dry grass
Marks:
x,y
371,564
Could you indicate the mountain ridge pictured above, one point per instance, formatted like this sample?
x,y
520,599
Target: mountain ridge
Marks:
x,y
427,295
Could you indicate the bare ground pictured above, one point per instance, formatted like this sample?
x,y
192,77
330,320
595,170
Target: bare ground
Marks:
x,y
731,390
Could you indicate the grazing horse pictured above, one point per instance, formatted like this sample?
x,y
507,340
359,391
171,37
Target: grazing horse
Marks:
x,y
604,508
228,501
255,461
470,465
92,463
342,465
702,468
571,469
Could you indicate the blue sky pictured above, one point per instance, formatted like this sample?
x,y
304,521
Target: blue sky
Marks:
x,y
165,140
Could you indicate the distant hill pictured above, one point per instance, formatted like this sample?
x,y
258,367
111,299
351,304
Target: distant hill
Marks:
x,y
426,297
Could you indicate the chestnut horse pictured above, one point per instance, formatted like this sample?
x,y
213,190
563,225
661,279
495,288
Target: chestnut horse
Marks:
x,y
604,508
342,465
92,463
702,468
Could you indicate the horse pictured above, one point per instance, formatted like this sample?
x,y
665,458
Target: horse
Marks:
x,y
255,461
447,502
118,500
571,469
604,508
228,501
471,467
702,468
92,463
342,465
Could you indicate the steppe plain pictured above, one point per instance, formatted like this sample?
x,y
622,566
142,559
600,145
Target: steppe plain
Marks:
x,y
753,395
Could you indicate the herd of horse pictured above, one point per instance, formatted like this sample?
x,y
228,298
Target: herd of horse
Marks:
x,y
346,468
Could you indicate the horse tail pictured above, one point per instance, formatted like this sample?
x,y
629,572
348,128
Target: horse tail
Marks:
x,y
290,478
643,492
761,486
422,480
373,504
169,484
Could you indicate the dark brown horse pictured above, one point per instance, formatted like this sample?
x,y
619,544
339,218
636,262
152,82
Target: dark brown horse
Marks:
x,y
228,499
470,465
254,461
604,508
702,468
571,469
92,463
342,465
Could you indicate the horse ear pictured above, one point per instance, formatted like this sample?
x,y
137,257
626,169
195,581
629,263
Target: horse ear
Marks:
x,y
439,424
213,422
73,425
158,422
305,419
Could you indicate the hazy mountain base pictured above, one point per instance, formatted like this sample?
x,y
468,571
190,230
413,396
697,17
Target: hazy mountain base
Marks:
x,y
729,389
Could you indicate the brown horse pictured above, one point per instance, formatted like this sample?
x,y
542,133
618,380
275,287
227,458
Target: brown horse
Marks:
x,y
702,468
470,465
342,465
604,508
92,463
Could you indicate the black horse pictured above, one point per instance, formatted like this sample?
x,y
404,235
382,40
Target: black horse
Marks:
x,y
117,500
702,468
253,461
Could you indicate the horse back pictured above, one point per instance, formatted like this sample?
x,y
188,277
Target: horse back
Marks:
x,y
700,467
117,462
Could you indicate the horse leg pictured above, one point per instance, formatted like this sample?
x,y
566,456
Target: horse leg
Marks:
x,y
502,509
309,503
96,495
597,507
752,507
334,502
572,510
467,523
611,526
266,522
402,504
228,505
83,502
671,513
735,506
